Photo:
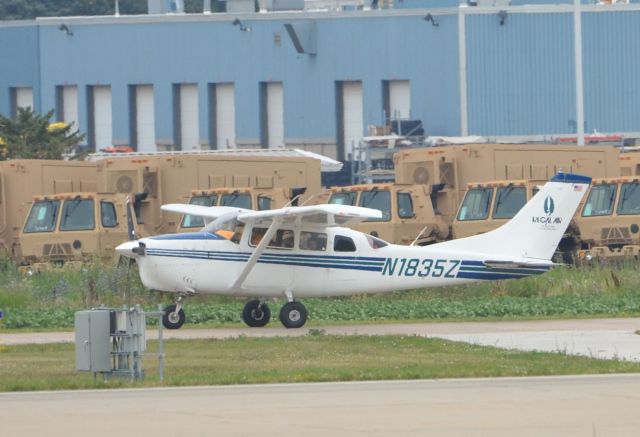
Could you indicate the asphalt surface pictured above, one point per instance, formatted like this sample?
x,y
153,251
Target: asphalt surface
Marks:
x,y
598,338
601,405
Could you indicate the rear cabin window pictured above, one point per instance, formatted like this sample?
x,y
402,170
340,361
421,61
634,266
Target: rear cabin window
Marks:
x,y
629,199
343,244
475,205
77,215
405,206
313,241
600,200
509,200
42,217
343,198
283,239
238,200
264,203
377,199
108,216
193,221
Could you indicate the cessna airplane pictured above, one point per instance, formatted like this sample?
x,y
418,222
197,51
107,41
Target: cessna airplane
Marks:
x,y
308,251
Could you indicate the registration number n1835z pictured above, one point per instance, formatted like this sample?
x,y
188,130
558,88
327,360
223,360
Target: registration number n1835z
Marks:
x,y
435,268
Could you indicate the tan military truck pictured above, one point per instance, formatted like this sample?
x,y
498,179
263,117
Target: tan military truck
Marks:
x,y
609,221
72,227
259,199
448,170
407,212
21,179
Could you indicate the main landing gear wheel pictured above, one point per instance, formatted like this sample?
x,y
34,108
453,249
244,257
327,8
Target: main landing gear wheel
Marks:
x,y
256,314
172,319
293,315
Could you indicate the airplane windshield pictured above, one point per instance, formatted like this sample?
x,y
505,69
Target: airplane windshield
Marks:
x,y
600,201
42,217
343,198
629,199
509,200
193,221
377,199
77,215
475,205
239,200
376,243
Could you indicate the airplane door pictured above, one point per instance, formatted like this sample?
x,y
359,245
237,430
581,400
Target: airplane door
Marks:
x,y
312,274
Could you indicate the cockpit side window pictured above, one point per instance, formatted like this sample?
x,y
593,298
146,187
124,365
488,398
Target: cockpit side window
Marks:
x,y
343,244
193,221
238,200
600,200
475,205
376,243
509,200
42,217
377,199
343,198
313,241
108,215
77,215
283,239
629,202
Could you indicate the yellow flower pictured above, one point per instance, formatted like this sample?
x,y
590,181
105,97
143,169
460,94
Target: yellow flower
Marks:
x,y
57,126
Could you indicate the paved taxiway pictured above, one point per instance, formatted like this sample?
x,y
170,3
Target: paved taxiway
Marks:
x,y
599,338
598,405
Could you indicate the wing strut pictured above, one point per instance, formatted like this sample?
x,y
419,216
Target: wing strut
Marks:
x,y
253,259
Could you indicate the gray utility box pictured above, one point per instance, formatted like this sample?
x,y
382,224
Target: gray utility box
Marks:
x,y
93,341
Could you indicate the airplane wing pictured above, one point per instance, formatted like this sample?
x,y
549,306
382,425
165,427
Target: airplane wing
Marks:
x,y
208,213
318,215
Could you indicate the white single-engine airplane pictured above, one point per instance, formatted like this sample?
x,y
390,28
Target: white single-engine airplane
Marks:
x,y
306,251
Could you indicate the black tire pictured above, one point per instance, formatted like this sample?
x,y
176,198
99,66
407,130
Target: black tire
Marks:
x,y
293,315
171,319
256,315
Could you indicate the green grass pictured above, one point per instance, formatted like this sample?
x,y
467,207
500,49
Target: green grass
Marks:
x,y
311,358
48,300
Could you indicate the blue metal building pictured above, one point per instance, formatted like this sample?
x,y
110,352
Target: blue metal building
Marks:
x,y
317,80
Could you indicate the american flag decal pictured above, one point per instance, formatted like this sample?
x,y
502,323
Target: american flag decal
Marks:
x,y
577,188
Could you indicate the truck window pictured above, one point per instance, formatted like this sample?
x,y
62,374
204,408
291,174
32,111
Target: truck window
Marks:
x,y
629,199
509,200
42,217
239,200
264,203
600,200
475,205
193,221
377,199
343,244
343,198
405,205
77,215
313,241
108,215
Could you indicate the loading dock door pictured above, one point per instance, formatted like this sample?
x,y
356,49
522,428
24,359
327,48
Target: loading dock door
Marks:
x,y
24,97
399,99
70,105
353,122
189,126
102,116
275,115
145,129
225,116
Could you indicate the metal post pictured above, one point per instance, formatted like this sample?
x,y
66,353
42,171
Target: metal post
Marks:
x,y
160,346
577,48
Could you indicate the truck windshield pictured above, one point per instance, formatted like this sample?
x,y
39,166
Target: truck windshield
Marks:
x,y
600,200
629,199
42,217
377,199
192,221
509,200
475,205
77,215
343,198
239,200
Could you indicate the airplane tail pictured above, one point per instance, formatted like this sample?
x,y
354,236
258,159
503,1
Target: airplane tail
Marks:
x,y
535,231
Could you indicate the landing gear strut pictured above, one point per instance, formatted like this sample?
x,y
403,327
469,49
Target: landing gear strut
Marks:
x,y
173,317
256,314
293,315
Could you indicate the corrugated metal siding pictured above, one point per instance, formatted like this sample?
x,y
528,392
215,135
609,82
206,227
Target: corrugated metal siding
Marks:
x,y
520,75
611,47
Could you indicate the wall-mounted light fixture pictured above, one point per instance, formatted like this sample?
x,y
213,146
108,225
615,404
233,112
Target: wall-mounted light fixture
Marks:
x,y
502,15
241,25
64,28
433,21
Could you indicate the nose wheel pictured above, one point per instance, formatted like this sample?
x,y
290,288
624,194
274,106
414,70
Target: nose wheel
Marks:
x,y
293,315
173,317
256,314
